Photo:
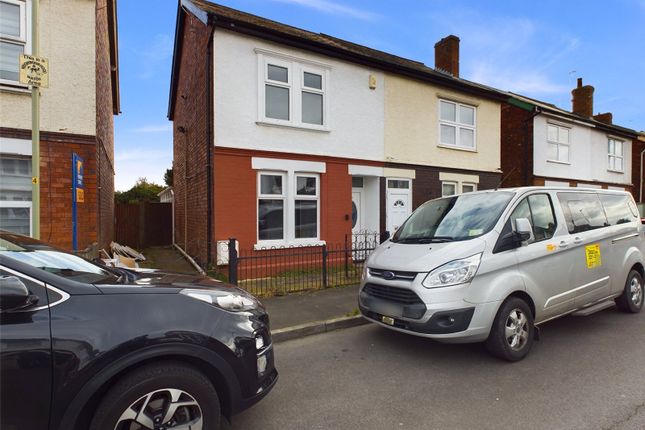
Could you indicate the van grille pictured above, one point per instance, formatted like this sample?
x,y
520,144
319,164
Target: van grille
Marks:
x,y
398,275
394,294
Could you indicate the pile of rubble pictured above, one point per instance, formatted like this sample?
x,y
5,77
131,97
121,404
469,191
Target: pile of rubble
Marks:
x,y
122,256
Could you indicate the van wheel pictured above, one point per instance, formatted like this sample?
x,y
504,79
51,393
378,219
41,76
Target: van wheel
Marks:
x,y
511,335
159,396
632,298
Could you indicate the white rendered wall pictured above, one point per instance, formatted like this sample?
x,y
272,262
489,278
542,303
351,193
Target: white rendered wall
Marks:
x,y
587,154
355,112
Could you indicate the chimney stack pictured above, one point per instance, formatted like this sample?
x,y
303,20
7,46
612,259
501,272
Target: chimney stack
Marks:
x,y
583,99
446,55
606,117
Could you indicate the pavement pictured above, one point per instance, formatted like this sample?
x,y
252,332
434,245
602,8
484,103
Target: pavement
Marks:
x,y
292,316
303,314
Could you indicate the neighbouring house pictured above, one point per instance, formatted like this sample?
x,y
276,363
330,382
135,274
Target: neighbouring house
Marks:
x,y
284,137
638,178
79,38
543,144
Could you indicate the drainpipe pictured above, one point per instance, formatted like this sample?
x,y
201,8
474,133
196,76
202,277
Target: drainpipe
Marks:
x,y
640,190
209,144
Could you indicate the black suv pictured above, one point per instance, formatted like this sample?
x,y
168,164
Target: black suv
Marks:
x,y
89,347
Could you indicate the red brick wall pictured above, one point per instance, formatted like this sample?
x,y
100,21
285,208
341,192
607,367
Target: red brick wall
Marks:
x,y
517,146
56,194
190,146
235,211
104,130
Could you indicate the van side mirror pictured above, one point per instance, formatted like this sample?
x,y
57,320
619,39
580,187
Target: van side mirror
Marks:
x,y
523,229
14,294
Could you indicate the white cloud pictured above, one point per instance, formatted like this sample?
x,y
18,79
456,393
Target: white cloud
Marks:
x,y
154,56
137,163
154,128
334,8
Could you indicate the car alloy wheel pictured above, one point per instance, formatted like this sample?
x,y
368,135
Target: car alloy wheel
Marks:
x,y
636,291
163,409
517,329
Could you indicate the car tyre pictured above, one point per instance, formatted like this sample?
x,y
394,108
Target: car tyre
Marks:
x,y
512,333
163,395
631,301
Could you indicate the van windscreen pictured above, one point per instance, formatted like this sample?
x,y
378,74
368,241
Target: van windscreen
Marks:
x,y
453,218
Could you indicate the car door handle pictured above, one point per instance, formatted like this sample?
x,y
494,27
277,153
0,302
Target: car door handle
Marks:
x,y
563,244
577,240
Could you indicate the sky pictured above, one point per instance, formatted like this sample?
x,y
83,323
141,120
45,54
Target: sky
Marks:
x,y
537,49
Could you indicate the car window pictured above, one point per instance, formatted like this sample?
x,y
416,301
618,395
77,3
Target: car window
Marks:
x,y
538,210
617,208
582,211
542,217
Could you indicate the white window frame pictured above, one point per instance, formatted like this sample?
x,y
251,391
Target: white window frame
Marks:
x,y
25,35
282,197
455,183
457,125
289,197
613,157
20,204
558,143
472,184
297,68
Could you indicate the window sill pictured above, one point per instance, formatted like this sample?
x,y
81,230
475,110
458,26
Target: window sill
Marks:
x,y
622,172
15,89
458,148
269,123
282,244
559,162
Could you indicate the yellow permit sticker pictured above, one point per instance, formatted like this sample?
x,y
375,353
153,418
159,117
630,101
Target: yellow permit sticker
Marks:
x,y
593,255
551,247
475,231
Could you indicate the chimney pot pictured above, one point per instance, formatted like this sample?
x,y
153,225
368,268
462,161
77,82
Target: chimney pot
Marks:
x,y
446,55
579,82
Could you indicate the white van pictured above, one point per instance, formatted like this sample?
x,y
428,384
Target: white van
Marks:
x,y
490,265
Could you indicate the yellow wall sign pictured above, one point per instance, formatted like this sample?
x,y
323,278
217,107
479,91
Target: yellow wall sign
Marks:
x,y
593,255
80,195
34,71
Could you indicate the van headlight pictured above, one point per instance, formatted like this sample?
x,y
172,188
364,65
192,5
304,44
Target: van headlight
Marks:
x,y
453,273
232,301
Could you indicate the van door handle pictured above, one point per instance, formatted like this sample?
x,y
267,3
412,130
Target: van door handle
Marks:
x,y
563,244
577,240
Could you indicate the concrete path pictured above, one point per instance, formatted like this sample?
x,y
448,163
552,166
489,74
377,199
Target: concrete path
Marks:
x,y
166,258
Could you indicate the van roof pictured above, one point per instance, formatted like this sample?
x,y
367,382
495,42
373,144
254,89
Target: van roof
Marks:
x,y
531,188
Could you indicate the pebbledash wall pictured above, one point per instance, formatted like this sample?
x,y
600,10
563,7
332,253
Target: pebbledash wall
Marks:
x,y
76,117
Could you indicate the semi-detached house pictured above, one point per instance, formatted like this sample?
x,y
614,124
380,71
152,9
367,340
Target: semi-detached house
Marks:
x,y
284,137
76,117
543,144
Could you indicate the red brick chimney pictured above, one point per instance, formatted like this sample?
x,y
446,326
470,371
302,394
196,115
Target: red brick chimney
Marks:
x,y
606,117
446,55
583,99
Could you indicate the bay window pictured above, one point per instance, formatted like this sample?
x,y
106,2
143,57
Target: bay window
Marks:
x,y
15,194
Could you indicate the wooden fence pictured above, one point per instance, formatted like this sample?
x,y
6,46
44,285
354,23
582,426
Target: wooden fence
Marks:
x,y
140,225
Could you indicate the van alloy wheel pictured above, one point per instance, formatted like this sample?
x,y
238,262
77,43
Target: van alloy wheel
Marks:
x,y
636,291
517,329
164,409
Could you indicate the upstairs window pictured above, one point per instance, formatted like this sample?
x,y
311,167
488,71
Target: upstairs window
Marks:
x,y
615,155
558,143
277,89
456,125
292,93
13,38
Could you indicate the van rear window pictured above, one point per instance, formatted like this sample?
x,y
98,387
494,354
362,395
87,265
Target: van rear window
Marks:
x,y
618,208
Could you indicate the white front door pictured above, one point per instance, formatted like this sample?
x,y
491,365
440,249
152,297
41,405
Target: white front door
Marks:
x,y
399,203
357,210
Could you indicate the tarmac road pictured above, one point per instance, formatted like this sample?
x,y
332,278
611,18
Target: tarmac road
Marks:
x,y
584,373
